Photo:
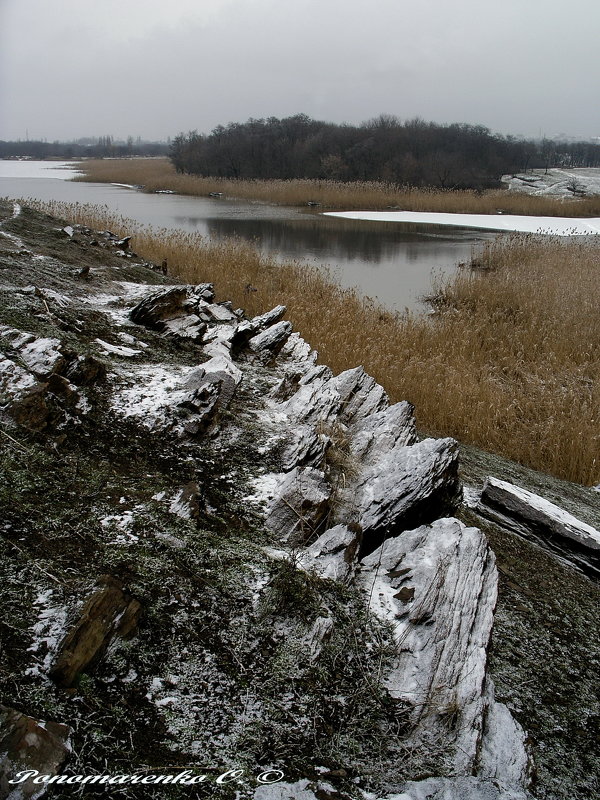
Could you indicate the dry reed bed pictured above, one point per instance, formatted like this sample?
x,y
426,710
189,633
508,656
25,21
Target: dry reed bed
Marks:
x,y
509,362
158,174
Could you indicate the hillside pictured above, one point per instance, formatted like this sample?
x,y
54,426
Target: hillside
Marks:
x,y
218,555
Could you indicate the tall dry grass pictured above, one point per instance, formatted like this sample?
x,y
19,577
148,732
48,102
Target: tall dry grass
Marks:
x,y
156,174
509,362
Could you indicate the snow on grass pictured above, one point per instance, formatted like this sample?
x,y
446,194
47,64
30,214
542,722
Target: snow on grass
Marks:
x,y
551,226
156,389
47,633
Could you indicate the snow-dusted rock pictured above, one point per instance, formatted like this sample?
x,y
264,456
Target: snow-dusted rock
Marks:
x,y
380,433
360,395
315,401
14,380
188,327
29,744
437,585
186,503
248,328
42,356
304,447
299,509
333,555
299,353
403,486
269,342
109,612
503,755
160,306
216,312
14,337
117,349
85,370
317,637
463,788
538,519
202,401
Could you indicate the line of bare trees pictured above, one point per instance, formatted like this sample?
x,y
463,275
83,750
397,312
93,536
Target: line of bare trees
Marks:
x,y
96,147
412,152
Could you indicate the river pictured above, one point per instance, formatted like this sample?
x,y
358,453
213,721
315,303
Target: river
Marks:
x,y
383,260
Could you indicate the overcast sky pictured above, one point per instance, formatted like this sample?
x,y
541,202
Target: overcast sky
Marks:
x,y
153,68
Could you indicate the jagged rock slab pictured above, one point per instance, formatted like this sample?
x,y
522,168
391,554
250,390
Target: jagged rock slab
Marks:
x,y
162,308
360,395
269,342
188,327
382,432
29,744
162,305
299,510
315,400
438,586
503,754
403,486
248,328
538,519
304,447
333,555
107,613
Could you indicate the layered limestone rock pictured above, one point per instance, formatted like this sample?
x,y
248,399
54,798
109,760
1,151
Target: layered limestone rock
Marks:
x,y
547,524
437,586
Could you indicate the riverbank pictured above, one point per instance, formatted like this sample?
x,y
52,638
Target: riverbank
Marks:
x,y
172,591
509,362
155,174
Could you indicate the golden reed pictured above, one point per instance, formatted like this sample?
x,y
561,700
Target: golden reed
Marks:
x,y
509,361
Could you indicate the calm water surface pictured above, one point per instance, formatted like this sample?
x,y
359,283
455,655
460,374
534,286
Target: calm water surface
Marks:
x,y
383,260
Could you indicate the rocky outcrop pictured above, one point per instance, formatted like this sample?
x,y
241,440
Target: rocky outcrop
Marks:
x,y
107,613
29,744
40,380
547,524
299,512
197,408
333,555
437,585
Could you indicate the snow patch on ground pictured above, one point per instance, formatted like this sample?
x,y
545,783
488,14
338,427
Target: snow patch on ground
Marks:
x,y
265,488
47,632
156,389
551,226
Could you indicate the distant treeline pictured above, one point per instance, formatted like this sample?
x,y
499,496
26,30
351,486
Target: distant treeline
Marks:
x,y
413,152
100,147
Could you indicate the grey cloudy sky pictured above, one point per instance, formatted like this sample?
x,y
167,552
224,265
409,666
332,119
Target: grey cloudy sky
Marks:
x,y
71,68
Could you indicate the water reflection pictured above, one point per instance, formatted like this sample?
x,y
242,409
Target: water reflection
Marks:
x,y
385,260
